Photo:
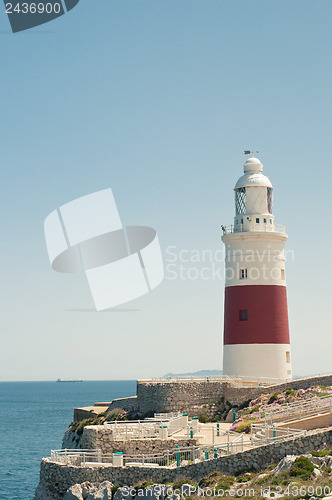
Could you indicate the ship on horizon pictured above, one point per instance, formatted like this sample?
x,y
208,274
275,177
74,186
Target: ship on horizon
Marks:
x,y
68,380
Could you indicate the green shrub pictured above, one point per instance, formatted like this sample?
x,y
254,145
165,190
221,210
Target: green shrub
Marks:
x,y
225,482
302,467
114,414
179,482
254,410
209,480
244,479
321,453
115,487
283,478
78,425
203,419
244,427
146,484
272,399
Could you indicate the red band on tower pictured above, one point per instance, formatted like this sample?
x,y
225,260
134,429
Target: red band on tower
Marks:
x,y
267,315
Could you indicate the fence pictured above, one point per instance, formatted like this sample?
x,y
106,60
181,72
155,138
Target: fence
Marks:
x,y
265,434
233,380
295,411
148,428
253,226
133,429
261,434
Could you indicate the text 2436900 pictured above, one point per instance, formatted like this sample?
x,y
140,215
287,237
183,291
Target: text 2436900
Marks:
x,y
33,8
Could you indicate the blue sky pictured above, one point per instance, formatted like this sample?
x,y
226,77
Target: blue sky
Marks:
x,y
157,99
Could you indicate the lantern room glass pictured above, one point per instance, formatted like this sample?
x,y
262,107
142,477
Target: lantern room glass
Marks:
x,y
269,200
240,201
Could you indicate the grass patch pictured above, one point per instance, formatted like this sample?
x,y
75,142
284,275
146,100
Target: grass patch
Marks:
x,y
321,453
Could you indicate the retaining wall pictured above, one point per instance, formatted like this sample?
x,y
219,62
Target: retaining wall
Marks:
x,y
57,478
101,437
127,404
192,396
196,397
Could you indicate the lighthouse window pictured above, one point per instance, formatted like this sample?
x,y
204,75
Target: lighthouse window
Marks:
x,y
287,357
282,274
240,201
269,200
243,274
244,315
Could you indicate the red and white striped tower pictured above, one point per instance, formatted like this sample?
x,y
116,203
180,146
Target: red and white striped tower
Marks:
x,y
256,333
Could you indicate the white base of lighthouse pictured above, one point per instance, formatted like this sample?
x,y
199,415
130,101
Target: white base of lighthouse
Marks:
x,y
271,361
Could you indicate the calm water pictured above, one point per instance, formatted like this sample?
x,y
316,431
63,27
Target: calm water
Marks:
x,y
33,419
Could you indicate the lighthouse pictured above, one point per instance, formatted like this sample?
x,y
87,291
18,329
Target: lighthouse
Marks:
x,y
256,332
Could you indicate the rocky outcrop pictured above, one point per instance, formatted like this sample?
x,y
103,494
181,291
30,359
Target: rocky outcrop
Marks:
x,y
89,491
83,491
43,493
71,440
285,464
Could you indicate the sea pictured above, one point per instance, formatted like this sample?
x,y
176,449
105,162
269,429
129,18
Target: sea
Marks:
x,y
33,419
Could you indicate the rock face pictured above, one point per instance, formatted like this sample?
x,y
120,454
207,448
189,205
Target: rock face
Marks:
x,y
70,440
75,492
42,493
89,491
285,464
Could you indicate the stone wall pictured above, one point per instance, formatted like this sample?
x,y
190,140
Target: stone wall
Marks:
x,y
82,414
197,397
57,478
127,404
100,437
190,396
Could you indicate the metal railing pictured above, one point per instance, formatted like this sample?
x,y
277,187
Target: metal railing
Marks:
x,y
188,378
297,410
261,434
253,226
265,434
163,417
234,380
148,428
177,424
180,456
131,429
